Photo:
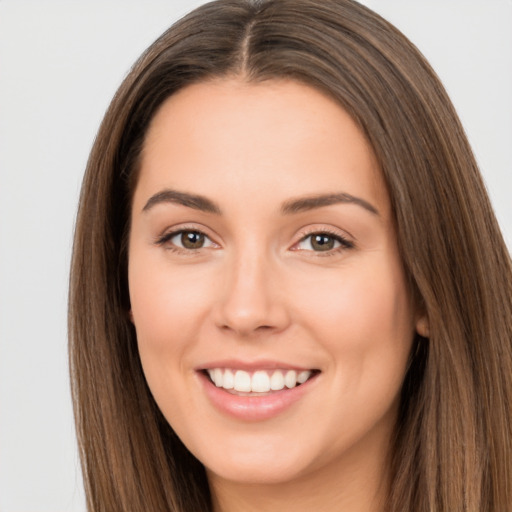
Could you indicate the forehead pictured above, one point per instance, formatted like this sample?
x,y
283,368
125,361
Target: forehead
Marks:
x,y
276,135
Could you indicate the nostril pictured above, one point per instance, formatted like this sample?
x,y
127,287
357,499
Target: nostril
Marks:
x,y
247,328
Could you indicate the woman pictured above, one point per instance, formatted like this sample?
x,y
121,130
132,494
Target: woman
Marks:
x,y
288,286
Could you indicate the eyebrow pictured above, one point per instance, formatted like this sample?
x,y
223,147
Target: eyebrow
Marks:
x,y
303,204
194,201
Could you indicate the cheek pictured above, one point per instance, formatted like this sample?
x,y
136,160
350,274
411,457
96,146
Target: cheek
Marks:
x,y
362,319
168,306
362,314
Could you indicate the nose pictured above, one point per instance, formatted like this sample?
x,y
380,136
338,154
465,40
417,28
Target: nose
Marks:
x,y
251,299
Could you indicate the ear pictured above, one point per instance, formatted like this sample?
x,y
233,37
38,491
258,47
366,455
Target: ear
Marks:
x,y
423,326
130,316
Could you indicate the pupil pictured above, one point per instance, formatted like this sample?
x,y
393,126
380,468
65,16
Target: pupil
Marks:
x,y
192,239
322,242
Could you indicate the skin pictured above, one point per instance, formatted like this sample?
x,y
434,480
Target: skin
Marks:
x,y
259,290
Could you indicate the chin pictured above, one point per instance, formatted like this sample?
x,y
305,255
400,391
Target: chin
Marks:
x,y
260,459
256,472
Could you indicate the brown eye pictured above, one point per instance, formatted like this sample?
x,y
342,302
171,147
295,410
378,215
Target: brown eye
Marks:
x,y
322,242
185,240
192,239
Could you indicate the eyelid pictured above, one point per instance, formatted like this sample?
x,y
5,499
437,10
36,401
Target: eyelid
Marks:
x,y
324,228
167,234
346,240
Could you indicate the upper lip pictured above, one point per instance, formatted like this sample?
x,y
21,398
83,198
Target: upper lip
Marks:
x,y
263,364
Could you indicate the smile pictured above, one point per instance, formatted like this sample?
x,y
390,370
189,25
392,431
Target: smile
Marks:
x,y
256,392
259,381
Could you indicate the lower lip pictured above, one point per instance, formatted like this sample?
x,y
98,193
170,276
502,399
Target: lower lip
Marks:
x,y
254,408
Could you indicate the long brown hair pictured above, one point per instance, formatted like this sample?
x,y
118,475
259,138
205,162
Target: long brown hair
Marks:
x,y
453,443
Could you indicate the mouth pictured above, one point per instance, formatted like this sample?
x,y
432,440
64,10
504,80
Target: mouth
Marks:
x,y
261,382
257,392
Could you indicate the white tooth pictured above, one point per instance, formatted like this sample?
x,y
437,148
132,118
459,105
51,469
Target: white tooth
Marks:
x,y
303,376
210,373
229,380
290,379
260,382
242,381
277,381
217,377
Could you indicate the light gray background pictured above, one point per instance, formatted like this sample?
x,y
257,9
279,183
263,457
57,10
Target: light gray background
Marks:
x,y
60,63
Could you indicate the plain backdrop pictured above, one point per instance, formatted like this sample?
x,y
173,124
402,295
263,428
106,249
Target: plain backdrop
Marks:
x,y
60,63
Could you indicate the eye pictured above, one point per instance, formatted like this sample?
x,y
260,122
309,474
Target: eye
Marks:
x,y
323,242
186,239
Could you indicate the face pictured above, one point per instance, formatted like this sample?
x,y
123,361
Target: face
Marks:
x,y
273,319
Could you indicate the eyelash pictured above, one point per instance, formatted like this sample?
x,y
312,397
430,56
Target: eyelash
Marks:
x,y
164,240
345,244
